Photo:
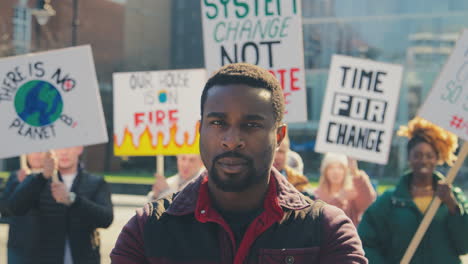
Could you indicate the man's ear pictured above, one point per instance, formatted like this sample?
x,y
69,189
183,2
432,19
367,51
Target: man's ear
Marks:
x,y
199,126
280,134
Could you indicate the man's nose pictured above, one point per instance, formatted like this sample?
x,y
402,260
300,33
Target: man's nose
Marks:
x,y
233,139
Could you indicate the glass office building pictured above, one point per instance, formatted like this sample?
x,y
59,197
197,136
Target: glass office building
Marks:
x,y
418,34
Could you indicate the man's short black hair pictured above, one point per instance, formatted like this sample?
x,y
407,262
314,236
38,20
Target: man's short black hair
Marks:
x,y
251,75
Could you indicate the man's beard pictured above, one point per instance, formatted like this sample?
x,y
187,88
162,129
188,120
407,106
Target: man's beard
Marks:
x,y
253,176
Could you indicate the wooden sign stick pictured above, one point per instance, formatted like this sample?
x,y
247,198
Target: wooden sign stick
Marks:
x,y
23,162
160,164
55,177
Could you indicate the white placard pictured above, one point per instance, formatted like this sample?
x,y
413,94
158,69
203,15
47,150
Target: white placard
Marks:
x,y
265,33
49,100
447,103
157,112
359,109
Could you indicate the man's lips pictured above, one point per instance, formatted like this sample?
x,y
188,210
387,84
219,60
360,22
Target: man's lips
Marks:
x,y
232,165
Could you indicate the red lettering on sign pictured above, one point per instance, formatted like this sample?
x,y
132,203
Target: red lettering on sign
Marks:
x,y
287,76
158,117
294,79
138,117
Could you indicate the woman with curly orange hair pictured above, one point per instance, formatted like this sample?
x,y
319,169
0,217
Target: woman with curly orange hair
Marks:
x,y
389,224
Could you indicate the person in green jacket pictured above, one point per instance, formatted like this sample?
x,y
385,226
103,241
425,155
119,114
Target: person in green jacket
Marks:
x,y
390,223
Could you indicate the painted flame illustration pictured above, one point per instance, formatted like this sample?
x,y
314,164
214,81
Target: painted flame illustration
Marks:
x,y
145,146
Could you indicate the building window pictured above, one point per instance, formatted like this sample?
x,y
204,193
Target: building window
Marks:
x,y
22,29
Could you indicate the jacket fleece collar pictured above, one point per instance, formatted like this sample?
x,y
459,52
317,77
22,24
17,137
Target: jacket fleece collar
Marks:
x,y
287,196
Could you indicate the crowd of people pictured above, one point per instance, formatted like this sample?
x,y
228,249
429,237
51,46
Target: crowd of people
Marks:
x,y
56,208
244,199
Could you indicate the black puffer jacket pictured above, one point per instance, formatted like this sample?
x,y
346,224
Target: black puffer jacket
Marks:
x,y
92,209
21,227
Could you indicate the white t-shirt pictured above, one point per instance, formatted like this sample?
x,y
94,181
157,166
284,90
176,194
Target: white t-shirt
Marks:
x,y
68,180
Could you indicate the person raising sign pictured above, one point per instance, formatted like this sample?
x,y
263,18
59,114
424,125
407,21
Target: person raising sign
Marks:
x,y
389,224
343,185
68,208
21,228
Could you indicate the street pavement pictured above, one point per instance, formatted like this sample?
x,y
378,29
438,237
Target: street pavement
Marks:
x,y
124,209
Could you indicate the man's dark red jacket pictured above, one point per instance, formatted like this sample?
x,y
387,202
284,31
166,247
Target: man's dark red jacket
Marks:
x,y
185,228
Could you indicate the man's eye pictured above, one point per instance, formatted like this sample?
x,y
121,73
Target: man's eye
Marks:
x,y
217,123
253,125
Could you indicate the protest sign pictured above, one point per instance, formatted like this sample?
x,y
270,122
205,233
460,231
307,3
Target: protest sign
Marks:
x,y
157,113
49,100
264,33
359,109
447,102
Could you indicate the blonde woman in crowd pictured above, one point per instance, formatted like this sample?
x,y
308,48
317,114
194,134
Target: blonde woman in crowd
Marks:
x,y
343,185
